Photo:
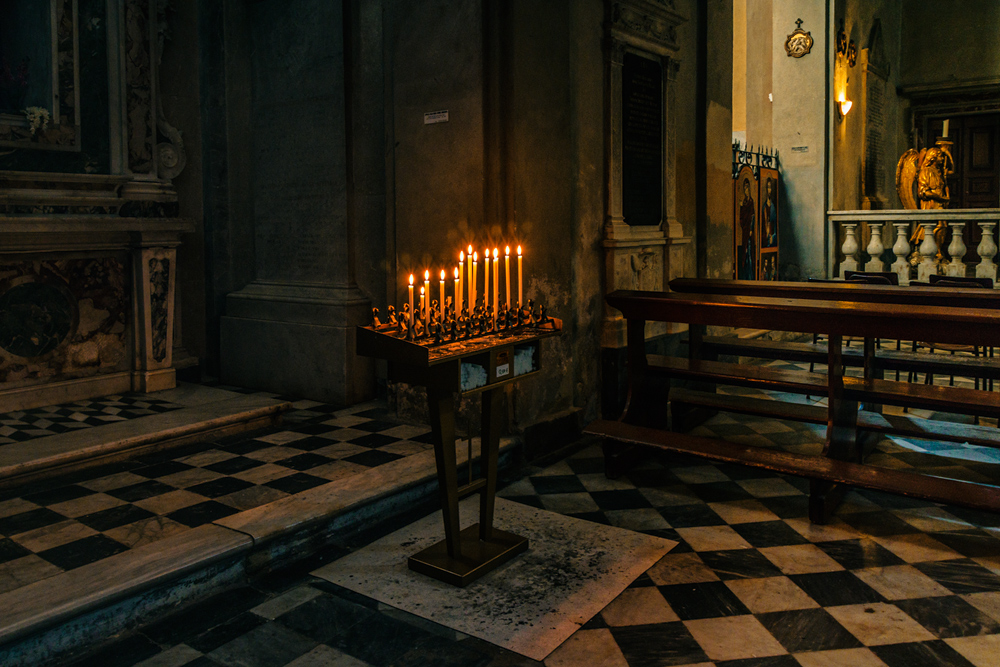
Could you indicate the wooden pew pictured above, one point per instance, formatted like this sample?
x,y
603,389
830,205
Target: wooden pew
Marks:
x,y
842,454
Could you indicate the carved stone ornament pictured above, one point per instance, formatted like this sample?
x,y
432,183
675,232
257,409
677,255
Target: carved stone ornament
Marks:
x,y
647,24
799,43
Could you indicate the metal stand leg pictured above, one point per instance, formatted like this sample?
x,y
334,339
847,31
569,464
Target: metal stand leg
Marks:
x,y
442,413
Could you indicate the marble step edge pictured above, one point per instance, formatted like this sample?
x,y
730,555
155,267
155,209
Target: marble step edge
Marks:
x,y
43,605
18,459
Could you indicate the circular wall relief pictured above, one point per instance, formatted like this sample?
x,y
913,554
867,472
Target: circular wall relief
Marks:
x,y
34,318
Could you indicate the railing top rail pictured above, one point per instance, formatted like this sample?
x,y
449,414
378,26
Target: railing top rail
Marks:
x,y
907,215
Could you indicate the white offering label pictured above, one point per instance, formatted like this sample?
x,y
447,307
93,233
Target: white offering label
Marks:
x,y
503,370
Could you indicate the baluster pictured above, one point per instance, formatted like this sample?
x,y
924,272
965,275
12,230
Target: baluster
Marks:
x,y
987,251
850,249
928,252
875,249
956,251
901,248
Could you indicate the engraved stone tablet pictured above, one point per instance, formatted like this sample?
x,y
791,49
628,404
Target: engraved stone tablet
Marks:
x,y
642,141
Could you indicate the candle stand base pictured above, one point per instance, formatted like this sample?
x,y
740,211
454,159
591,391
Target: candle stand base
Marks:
x,y
477,557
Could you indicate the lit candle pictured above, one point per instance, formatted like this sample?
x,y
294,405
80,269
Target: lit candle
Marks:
x,y
475,278
427,290
520,298
944,135
506,272
423,304
486,281
496,280
470,284
410,332
442,296
458,282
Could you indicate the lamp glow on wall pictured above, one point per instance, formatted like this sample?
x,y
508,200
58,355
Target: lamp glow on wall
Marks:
x,y
843,104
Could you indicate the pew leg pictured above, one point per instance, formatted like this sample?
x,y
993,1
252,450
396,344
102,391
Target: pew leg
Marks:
x,y
841,436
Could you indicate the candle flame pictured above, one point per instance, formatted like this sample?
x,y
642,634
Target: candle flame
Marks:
x,y
507,251
461,256
421,290
470,248
475,257
456,273
495,253
427,275
519,251
442,274
411,280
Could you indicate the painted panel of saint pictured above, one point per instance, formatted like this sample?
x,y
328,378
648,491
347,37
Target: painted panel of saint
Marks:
x,y
746,232
768,208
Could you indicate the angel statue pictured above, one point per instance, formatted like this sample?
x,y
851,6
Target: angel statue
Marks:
x,y
922,183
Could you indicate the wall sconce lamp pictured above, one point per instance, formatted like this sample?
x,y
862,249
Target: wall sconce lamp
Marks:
x,y
843,104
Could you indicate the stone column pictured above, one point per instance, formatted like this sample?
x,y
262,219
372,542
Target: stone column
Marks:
x,y
292,330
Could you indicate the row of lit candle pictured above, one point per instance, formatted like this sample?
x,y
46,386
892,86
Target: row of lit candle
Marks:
x,y
466,276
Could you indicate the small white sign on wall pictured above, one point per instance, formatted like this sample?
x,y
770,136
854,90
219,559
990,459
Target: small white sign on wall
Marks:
x,y
800,149
431,117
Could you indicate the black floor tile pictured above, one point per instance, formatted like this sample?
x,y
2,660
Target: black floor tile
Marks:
x,y
114,517
877,524
313,443
373,458
769,661
859,553
82,552
373,440
220,487
297,483
162,469
124,653
234,465
716,492
808,630
434,651
302,462
769,534
977,517
312,429
375,425
379,640
201,617
58,495
691,516
623,499
972,543
202,513
657,645
836,588
225,632
706,600
595,517
650,477
949,616
30,520
267,645
140,491
787,507
585,466
546,484
531,501
961,576
244,446
11,550
739,564
935,653
325,618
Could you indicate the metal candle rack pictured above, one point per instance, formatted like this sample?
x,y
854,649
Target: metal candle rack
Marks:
x,y
436,359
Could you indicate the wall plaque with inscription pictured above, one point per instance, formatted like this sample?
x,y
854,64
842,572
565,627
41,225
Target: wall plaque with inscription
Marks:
x,y
642,141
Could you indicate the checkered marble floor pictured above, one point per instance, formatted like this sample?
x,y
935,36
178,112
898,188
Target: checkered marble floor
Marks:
x,y
889,582
71,521
22,425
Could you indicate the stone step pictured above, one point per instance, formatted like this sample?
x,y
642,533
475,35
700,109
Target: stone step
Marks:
x,y
50,620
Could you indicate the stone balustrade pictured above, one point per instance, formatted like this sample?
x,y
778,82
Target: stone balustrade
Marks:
x,y
863,237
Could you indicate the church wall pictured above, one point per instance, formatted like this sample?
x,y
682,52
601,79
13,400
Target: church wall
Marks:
x,y
799,133
686,116
180,96
555,177
950,42
849,133
719,123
